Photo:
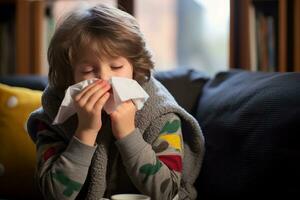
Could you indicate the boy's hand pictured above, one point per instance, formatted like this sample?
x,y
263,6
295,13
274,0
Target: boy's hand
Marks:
x,y
88,104
122,119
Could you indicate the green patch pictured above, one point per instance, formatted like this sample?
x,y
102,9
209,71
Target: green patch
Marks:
x,y
70,185
149,169
171,127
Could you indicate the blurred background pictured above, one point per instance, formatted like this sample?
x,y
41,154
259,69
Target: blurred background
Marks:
x,y
208,35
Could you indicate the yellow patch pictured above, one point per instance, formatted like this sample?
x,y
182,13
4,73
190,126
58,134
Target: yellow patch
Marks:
x,y
173,140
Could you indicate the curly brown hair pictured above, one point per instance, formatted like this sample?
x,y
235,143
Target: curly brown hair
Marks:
x,y
115,33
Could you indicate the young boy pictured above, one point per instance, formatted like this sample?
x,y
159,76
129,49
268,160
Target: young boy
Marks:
x,y
156,151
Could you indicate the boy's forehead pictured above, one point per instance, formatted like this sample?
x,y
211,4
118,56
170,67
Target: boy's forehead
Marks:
x,y
88,48
90,56
87,52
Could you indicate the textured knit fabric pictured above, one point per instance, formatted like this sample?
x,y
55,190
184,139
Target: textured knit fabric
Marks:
x,y
149,122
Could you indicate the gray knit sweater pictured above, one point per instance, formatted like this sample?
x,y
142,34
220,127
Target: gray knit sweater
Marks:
x,y
148,121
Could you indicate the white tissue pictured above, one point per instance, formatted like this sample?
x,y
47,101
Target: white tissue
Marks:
x,y
123,89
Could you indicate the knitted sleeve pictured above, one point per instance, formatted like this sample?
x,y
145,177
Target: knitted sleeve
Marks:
x,y
155,169
61,168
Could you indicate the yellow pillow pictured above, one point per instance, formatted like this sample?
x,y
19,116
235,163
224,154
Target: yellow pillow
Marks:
x,y
17,153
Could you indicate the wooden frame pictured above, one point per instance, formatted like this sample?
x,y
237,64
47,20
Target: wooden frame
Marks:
x,y
22,37
239,56
282,36
296,35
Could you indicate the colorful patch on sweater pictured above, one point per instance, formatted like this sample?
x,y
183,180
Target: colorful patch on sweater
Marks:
x,y
70,185
49,153
150,169
173,140
171,127
173,162
170,134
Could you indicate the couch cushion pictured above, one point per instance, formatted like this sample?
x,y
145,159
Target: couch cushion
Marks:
x,y
251,124
185,85
17,155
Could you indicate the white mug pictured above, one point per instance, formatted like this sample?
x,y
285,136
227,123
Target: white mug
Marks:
x,y
130,197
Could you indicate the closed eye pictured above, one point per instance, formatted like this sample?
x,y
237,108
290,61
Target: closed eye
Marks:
x,y
87,72
87,69
116,67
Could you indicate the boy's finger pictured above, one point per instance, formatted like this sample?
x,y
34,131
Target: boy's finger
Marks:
x,y
86,89
98,94
88,93
83,91
101,101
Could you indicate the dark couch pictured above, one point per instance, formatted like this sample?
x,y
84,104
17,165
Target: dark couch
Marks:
x,y
251,125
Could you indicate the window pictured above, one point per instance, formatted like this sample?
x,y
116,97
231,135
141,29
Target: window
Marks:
x,y
186,33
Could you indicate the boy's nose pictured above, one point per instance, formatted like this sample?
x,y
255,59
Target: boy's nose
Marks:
x,y
104,76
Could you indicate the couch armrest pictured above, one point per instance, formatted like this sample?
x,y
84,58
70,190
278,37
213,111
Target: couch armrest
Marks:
x,y
35,82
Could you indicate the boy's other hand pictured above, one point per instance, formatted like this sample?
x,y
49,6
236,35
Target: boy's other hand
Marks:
x,y
122,119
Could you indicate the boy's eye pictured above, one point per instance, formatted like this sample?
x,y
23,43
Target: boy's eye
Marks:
x,y
87,72
116,66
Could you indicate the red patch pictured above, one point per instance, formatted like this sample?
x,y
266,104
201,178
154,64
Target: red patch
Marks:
x,y
40,126
48,153
174,162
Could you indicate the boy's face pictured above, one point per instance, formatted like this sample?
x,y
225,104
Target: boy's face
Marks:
x,y
93,67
